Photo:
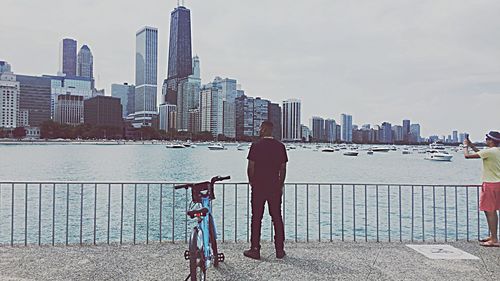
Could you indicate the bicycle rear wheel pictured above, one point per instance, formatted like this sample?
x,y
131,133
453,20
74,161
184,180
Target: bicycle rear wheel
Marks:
x,y
213,241
196,256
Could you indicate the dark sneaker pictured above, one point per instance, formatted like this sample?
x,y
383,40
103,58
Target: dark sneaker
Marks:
x,y
280,254
253,253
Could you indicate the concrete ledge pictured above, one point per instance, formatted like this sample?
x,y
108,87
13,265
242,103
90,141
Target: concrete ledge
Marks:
x,y
304,261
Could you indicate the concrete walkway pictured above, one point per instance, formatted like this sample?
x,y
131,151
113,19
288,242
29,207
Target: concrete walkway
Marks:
x,y
304,261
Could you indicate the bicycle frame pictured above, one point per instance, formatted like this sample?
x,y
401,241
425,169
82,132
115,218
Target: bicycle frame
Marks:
x,y
203,225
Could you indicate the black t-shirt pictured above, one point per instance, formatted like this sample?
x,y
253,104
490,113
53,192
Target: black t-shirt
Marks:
x,y
268,155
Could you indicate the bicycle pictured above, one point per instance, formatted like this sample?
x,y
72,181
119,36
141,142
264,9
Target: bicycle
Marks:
x,y
203,240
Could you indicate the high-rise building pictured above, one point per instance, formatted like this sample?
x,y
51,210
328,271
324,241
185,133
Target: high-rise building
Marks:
x,y
317,127
103,111
85,65
146,62
168,118
126,94
386,132
346,127
250,113
68,57
415,133
290,120
69,109
455,137
194,120
398,133
211,106
305,133
73,85
179,53
338,132
35,99
229,94
406,130
275,118
188,96
9,97
330,132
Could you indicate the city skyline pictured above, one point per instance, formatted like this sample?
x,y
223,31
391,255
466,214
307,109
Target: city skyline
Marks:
x,y
465,79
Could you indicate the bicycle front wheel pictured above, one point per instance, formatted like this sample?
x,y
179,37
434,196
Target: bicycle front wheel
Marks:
x,y
196,256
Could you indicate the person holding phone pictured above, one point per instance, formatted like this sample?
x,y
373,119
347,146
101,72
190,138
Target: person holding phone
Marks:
x,y
489,200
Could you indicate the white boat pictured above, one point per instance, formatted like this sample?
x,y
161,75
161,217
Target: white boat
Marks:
x,y
351,153
437,155
328,149
369,152
435,146
406,151
217,146
175,145
380,149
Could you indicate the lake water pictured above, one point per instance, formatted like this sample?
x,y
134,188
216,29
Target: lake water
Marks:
x,y
60,213
157,163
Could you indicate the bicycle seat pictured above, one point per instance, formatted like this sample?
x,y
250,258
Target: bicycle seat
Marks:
x,y
197,213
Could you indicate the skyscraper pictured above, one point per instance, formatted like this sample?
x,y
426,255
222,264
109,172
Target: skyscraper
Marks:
x,y
318,127
229,94
330,130
68,57
146,61
386,132
188,97
211,109
126,93
179,52
275,118
290,120
415,133
9,97
406,130
346,127
35,98
85,65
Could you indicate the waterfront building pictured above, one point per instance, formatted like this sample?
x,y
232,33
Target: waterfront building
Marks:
x,y
229,95
103,111
85,65
35,99
69,109
330,130
68,57
250,113
406,130
290,120
9,97
126,94
346,127
398,133
461,137
194,120
188,96
455,137
305,133
338,132
415,133
68,85
274,117
146,76
179,53
168,117
317,127
386,133
211,105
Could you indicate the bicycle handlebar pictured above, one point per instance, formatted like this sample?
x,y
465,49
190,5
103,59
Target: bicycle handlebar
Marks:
x,y
212,181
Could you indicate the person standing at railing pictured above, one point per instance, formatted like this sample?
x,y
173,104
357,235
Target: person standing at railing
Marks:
x,y
489,200
266,172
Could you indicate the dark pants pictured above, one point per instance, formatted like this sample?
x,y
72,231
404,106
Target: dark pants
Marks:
x,y
259,198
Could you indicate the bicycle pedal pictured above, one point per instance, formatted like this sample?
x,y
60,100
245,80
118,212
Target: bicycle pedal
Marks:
x,y
220,257
186,255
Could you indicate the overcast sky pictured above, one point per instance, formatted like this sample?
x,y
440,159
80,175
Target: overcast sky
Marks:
x,y
435,62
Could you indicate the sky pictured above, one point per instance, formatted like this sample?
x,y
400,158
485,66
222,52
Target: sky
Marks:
x,y
435,62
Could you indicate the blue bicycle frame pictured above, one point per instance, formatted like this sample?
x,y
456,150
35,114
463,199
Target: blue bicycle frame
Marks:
x,y
204,227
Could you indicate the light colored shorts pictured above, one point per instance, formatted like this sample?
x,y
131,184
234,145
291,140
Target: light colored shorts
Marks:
x,y
489,200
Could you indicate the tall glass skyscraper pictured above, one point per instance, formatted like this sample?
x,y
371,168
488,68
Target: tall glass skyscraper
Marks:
x,y
179,52
68,57
146,62
346,127
290,120
85,66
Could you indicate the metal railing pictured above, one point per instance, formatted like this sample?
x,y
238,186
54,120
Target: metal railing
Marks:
x,y
53,213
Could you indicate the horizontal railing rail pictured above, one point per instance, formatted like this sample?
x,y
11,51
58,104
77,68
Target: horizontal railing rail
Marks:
x,y
83,212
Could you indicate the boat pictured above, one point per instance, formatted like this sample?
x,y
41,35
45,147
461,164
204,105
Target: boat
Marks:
x,y
380,149
405,150
351,153
175,145
393,147
435,146
217,146
369,152
437,155
327,149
